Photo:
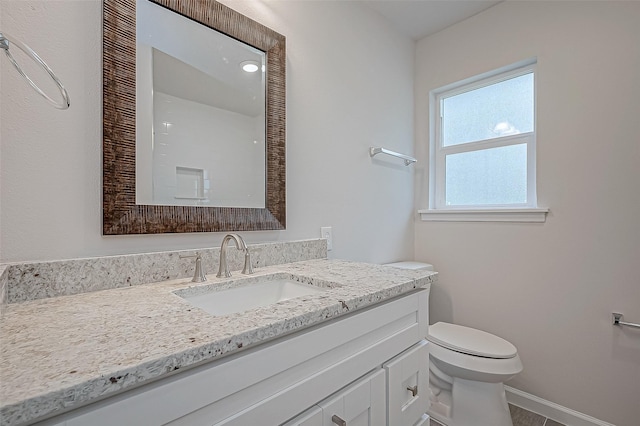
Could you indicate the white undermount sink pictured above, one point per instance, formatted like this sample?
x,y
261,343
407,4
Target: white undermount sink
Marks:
x,y
255,293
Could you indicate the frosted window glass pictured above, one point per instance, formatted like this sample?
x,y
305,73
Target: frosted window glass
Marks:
x,y
501,109
489,176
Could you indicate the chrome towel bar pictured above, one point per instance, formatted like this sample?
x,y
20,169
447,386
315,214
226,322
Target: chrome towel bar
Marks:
x,y
407,160
616,321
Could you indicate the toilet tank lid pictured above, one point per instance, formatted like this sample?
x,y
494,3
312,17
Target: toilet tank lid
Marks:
x,y
470,341
412,265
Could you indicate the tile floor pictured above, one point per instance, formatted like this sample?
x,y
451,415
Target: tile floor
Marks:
x,y
522,417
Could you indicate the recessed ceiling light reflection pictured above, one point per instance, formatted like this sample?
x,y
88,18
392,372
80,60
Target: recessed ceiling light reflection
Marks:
x,y
249,66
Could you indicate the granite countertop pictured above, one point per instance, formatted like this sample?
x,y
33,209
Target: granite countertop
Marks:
x,y
63,352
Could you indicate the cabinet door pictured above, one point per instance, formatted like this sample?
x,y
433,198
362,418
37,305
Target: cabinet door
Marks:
x,y
407,385
361,404
311,417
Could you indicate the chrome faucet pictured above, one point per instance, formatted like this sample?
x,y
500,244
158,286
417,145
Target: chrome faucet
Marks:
x,y
223,270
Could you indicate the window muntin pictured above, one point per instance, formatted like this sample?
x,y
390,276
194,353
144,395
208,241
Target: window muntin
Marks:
x,y
483,153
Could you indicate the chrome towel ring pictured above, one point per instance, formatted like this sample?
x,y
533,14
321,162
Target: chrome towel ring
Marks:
x,y
6,41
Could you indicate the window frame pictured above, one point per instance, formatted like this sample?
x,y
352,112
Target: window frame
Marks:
x,y
438,152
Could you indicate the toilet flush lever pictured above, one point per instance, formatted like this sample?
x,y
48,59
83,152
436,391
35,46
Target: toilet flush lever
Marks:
x,y
413,390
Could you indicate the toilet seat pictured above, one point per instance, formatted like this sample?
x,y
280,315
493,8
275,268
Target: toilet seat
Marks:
x,y
470,341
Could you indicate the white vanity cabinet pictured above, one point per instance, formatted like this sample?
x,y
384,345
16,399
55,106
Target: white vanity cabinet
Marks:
x,y
396,394
362,403
363,367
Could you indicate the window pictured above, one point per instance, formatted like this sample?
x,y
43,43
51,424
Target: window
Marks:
x,y
483,144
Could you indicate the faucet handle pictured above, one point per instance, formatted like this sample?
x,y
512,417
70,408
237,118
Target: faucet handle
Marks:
x,y
247,269
198,275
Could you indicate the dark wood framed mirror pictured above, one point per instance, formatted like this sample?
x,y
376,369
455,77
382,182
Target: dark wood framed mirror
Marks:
x,y
121,214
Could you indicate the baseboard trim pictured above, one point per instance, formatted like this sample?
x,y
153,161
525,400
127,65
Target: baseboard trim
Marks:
x,y
550,409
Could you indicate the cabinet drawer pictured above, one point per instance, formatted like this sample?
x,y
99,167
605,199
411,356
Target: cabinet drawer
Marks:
x,y
407,385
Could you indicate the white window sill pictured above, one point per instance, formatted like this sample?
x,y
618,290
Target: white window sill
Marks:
x,y
485,215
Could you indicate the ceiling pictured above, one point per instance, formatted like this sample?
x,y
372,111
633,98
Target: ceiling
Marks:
x,y
420,18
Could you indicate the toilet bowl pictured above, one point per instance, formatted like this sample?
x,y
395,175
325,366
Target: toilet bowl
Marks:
x,y
467,369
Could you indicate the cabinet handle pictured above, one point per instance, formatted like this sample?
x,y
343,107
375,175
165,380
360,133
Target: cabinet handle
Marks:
x,y
413,390
337,420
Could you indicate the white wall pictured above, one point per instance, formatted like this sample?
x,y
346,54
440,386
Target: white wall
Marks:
x,y
550,288
349,86
225,145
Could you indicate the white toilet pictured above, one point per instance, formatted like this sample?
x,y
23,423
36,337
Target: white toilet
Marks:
x,y
467,371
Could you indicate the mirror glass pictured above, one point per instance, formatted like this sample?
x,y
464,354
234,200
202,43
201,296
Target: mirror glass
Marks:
x,y
191,142
200,122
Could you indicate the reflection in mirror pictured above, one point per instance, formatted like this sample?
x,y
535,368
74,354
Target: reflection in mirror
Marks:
x,y
189,196
200,122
